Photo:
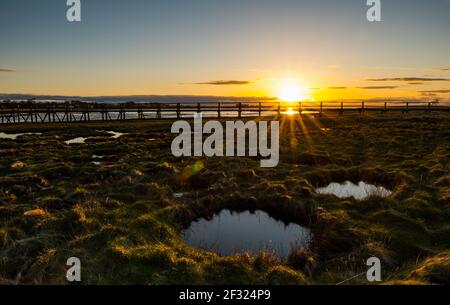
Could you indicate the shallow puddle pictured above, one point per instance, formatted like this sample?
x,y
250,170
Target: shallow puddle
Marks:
x,y
235,232
14,136
82,140
358,191
95,160
79,140
114,134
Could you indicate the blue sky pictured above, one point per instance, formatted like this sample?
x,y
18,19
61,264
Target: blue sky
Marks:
x,y
170,46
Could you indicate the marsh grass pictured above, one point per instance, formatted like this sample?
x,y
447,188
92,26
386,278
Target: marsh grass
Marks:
x,y
122,220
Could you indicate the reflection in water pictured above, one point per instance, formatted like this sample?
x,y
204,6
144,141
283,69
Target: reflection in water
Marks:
x,y
96,158
232,232
115,135
82,140
79,140
349,189
178,195
14,136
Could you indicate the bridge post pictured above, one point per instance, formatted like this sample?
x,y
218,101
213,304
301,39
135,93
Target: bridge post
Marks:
x,y
158,111
30,113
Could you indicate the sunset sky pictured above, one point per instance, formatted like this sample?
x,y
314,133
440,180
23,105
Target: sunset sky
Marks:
x,y
327,48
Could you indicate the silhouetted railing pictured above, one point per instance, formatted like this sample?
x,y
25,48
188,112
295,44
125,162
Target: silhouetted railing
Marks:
x,y
34,112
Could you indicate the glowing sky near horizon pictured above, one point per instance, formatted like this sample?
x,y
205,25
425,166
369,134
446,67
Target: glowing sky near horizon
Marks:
x,y
232,48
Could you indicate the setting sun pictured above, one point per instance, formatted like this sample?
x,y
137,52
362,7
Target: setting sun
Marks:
x,y
291,92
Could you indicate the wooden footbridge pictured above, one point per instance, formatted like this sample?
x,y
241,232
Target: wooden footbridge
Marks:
x,y
37,112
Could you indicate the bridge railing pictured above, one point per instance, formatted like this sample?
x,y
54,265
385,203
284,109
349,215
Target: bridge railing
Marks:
x,y
35,112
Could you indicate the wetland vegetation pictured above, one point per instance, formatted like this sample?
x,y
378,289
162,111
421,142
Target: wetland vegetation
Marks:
x,y
121,203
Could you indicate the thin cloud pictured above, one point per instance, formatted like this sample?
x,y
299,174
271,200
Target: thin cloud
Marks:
x,y
416,83
7,70
377,87
435,91
226,83
409,79
337,88
429,95
443,69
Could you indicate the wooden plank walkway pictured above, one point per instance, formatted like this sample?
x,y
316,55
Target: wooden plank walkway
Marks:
x,y
34,112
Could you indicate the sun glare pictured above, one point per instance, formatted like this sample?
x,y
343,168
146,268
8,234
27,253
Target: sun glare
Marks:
x,y
291,92
290,112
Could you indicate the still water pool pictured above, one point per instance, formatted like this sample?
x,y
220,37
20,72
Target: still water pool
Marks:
x,y
234,232
358,191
